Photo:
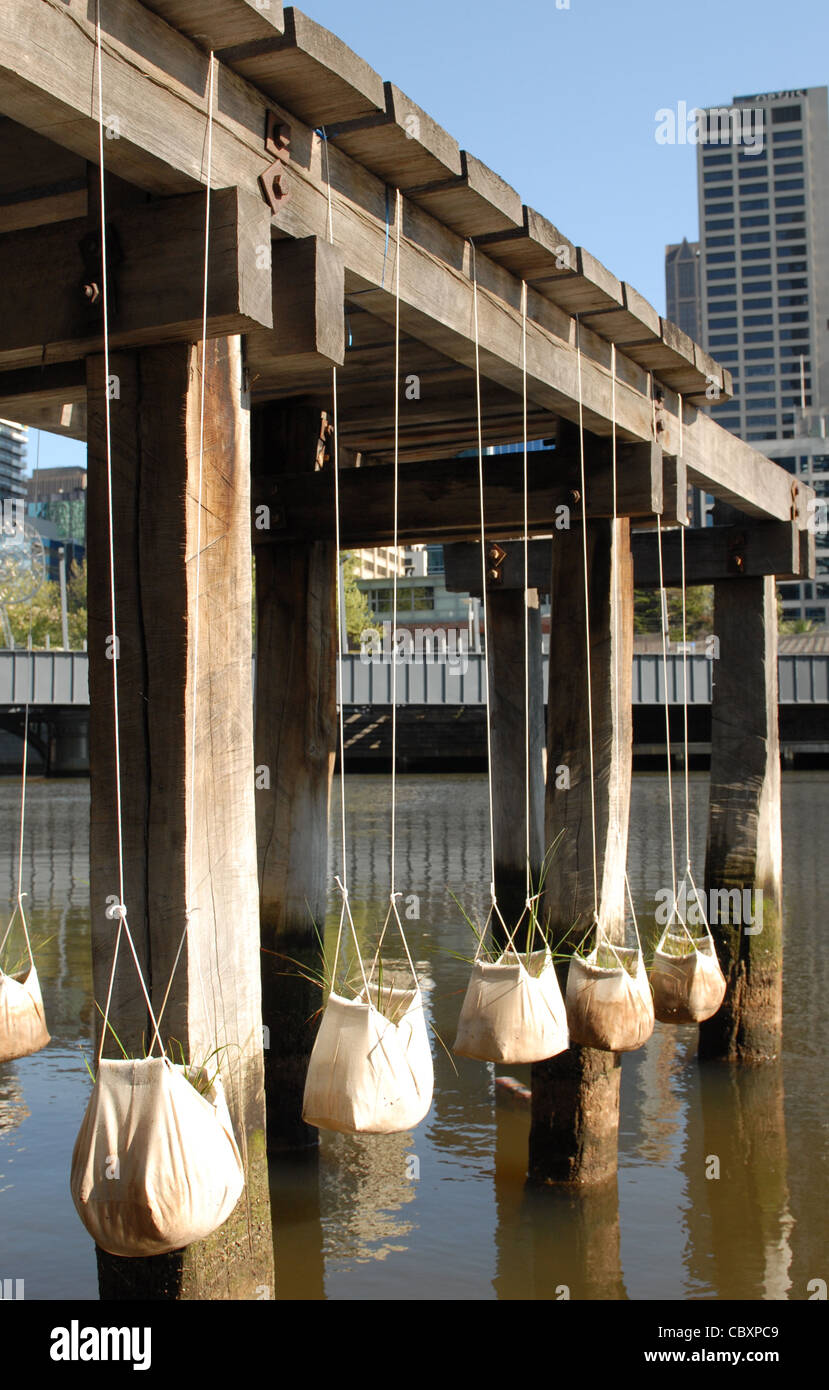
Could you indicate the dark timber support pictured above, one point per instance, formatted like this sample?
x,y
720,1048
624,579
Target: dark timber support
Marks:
x,y
216,993
505,624
744,859
296,733
575,1106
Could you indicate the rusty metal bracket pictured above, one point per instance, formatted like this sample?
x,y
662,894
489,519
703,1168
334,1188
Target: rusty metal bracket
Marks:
x,y
92,281
495,557
736,553
273,181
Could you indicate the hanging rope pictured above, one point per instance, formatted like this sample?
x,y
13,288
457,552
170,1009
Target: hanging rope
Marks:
x,y
525,415
587,626
119,911
25,768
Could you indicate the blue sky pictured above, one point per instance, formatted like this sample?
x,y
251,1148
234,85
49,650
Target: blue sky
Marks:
x,y
561,101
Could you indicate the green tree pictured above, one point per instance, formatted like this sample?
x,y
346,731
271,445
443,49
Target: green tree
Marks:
x,y
44,612
699,612
358,617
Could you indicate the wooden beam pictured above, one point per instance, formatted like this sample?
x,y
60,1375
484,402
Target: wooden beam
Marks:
x,y
214,24
308,336
169,766
50,398
403,145
440,498
711,554
154,297
161,149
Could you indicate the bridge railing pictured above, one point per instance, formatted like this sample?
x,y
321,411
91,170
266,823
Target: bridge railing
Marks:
x,y
62,678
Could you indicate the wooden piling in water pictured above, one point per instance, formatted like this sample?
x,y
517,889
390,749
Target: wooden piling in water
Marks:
x,y
215,999
575,1111
505,623
744,831
296,736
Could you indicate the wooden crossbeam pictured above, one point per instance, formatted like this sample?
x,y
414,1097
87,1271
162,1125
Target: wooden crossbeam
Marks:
x,y
308,334
161,148
711,553
440,499
156,269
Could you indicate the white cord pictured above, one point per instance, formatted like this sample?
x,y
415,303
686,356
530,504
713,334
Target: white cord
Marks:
x,y
587,622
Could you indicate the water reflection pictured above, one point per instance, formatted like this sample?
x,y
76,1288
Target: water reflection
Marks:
x,y
445,1212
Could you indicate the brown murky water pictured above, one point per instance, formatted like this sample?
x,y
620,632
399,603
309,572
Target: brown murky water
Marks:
x,y
444,1212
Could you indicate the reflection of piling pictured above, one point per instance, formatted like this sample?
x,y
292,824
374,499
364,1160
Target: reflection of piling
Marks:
x,y
736,1163
552,1243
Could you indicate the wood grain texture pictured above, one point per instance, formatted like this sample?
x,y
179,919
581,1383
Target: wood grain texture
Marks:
x,y
153,297
744,829
215,998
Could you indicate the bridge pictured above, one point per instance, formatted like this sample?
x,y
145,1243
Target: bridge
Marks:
x,y
441,702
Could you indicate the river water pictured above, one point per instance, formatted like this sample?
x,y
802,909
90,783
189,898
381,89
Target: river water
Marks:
x,y
445,1212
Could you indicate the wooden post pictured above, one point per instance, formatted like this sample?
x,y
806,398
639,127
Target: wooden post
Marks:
x,y
296,736
744,861
215,1000
575,1112
505,623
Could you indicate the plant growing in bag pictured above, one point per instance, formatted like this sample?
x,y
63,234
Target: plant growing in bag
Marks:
x,y
513,1010
609,1002
688,984
22,1017
371,1068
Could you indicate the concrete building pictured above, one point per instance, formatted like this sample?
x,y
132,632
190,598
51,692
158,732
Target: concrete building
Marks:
x,y
12,460
682,286
763,178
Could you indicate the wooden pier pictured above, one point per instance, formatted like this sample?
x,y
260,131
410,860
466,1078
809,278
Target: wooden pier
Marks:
x,y
308,148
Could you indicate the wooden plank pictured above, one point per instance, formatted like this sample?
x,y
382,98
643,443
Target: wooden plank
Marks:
x,y
310,71
475,203
296,735
308,335
712,553
575,1110
403,145
161,149
744,829
440,498
46,317
215,24
215,997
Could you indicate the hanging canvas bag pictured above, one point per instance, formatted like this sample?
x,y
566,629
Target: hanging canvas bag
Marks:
x,y
609,1006
688,984
22,1018
371,1069
513,1010
155,1165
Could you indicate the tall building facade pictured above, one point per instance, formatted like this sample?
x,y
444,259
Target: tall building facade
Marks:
x,y
763,179
682,287
12,460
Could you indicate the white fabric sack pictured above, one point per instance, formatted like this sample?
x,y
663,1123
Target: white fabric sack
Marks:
x,y
687,988
513,1010
22,1019
155,1165
367,1073
609,1008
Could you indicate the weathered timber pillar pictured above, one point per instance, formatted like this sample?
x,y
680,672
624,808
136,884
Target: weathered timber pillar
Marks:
x,y
743,871
215,1000
296,736
575,1107
507,685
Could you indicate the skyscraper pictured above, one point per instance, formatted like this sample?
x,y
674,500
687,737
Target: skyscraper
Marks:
x,y
764,279
682,287
12,459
